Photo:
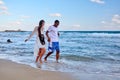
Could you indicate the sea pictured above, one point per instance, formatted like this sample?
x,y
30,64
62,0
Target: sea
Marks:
x,y
80,51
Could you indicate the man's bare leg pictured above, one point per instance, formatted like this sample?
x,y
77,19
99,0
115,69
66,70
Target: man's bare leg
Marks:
x,y
57,56
45,59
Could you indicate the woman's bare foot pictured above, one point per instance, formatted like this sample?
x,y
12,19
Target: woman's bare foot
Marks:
x,y
38,65
41,62
57,61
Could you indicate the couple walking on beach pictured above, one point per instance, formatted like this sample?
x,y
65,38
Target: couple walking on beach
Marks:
x,y
52,35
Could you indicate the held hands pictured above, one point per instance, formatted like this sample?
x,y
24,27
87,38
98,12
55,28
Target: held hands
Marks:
x,y
49,39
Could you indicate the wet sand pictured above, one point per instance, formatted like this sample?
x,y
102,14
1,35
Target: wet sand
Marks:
x,y
14,71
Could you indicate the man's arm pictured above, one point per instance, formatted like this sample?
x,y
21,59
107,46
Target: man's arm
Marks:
x,y
48,36
58,34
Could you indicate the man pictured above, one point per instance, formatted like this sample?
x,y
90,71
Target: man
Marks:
x,y
53,35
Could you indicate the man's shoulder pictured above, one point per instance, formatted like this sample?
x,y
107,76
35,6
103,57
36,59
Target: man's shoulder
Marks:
x,y
51,27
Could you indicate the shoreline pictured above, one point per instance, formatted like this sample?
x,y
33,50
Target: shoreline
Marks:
x,y
14,71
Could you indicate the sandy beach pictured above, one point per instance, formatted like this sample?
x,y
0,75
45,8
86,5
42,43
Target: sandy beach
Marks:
x,y
13,71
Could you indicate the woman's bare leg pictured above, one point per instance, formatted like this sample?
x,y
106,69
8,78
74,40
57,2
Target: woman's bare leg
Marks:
x,y
37,59
38,56
41,54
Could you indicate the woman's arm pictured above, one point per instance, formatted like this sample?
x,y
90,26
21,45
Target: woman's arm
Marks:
x,y
31,35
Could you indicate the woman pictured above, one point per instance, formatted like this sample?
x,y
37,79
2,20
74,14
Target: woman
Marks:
x,y
39,48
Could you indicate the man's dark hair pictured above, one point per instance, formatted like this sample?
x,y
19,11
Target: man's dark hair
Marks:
x,y
57,21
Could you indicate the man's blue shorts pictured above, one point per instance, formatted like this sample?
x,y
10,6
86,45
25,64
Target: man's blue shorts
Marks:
x,y
52,46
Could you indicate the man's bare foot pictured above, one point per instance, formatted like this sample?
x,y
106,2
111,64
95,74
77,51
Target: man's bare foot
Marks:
x,y
45,60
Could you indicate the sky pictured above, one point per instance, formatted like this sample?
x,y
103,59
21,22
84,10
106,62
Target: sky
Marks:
x,y
74,15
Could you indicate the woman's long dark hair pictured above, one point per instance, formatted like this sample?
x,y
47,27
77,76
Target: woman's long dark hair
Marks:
x,y
41,36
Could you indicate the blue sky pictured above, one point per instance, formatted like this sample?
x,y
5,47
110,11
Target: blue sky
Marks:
x,y
73,14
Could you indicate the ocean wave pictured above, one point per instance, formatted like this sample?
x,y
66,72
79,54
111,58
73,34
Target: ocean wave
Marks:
x,y
104,35
77,58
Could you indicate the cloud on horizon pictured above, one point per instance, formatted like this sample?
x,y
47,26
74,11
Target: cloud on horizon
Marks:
x,y
76,25
116,19
1,2
4,13
25,17
3,9
55,15
98,1
113,23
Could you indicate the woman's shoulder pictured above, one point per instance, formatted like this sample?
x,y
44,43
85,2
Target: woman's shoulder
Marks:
x,y
36,27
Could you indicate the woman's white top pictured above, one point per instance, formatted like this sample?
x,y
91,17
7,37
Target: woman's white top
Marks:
x,y
38,44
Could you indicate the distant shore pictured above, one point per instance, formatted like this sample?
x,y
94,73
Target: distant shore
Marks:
x,y
14,30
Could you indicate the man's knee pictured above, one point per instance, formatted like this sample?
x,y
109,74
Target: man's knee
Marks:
x,y
50,52
57,52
